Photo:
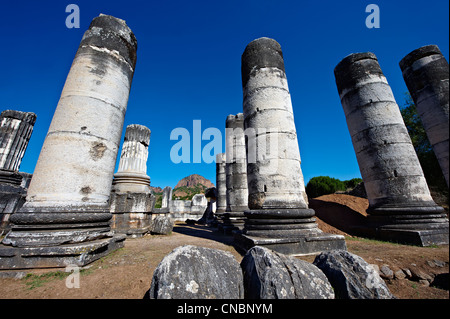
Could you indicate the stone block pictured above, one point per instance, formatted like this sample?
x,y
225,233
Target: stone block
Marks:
x,y
271,275
162,225
351,276
191,272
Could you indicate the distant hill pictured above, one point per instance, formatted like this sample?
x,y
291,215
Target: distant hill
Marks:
x,y
191,185
157,189
193,180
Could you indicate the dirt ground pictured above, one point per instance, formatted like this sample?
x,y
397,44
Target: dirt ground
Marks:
x,y
127,272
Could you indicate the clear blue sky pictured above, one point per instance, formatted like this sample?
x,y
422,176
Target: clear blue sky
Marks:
x,y
188,67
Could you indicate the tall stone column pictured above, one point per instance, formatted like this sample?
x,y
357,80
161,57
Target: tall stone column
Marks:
x,y
426,75
66,216
15,132
278,215
400,205
236,173
132,200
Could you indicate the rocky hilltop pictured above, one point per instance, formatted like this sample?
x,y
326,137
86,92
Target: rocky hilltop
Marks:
x,y
191,185
193,180
156,190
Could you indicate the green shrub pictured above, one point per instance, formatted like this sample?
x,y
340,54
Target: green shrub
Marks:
x,y
323,185
351,183
158,200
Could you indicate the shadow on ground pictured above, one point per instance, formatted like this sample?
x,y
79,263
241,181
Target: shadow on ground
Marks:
x,y
339,216
202,231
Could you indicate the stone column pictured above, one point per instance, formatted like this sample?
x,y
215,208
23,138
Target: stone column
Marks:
x,y
166,197
236,173
67,210
400,204
15,132
278,215
426,75
132,175
221,182
132,200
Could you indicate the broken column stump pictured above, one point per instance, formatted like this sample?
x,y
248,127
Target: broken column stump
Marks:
x,y
132,200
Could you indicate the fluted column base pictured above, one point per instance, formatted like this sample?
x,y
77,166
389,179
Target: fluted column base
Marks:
x,y
129,182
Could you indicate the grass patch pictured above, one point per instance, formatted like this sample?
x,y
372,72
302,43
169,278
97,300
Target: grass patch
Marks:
x,y
33,281
371,241
377,241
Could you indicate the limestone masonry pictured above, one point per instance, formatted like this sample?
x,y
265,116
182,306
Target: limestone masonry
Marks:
x,y
400,204
278,215
425,71
132,200
65,219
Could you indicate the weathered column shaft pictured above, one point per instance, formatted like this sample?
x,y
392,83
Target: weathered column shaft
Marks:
x,y
15,133
236,167
221,183
166,197
135,149
279,216
426,75
399,198
77,160
387,160
65,219
274,174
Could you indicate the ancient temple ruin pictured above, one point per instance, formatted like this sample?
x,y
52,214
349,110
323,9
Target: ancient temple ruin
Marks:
x,y
75,210
65,219
400,205
278,215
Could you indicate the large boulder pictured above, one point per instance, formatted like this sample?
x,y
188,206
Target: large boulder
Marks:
x,y
162,225
351,276
191,272
271,275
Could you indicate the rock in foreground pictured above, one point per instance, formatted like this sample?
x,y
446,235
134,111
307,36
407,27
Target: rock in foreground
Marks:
x,y
162,225
271,275
191,272
351,276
